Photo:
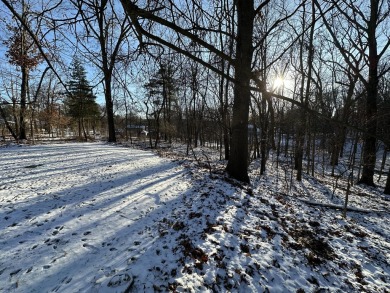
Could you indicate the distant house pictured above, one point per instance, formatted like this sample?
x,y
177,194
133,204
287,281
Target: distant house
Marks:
x,y
136,130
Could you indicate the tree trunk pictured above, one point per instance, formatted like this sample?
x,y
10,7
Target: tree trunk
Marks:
x,y
157,120
308,148
387,187
304,116
271,128
226,126
264,132
353,79
299,155
23,103
2,114
110,110
383,163
84,131
79,124
237,165
224,104
313,154
369,151
287,142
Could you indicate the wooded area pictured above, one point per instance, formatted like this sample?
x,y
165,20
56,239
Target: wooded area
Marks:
x,y
307,81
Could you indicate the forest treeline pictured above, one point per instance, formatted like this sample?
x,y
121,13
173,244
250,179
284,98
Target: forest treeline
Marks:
x,y
298,78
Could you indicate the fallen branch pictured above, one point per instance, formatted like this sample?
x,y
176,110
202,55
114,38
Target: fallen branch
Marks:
x,y
332,206
340,207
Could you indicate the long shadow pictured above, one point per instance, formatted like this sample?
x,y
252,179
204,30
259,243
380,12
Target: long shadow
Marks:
x,y
27,150
35,172
70,166
70,197
104,247
197,197
61,235
197,223
321,190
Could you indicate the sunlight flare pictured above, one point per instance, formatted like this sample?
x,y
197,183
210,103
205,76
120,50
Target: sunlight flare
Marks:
x,y
278,82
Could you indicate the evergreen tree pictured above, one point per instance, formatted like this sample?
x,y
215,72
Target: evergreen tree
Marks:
x,y
81,102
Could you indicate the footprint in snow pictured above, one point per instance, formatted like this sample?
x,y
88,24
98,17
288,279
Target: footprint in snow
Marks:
x,y
57,257
13,273
93,248
66,280
121,279
55,241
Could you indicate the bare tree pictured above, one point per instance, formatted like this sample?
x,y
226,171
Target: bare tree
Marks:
x,y
104,24
238,161
23,52
362,25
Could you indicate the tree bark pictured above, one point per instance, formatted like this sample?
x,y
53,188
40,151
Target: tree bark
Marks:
x,y
237,166
303,126
387,187
107,72
23,104
369,151
109,47
110,111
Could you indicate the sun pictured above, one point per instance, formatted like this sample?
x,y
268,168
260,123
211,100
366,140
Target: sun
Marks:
x,y
278,82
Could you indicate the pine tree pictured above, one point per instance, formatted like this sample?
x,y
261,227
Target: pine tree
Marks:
x,y
81,102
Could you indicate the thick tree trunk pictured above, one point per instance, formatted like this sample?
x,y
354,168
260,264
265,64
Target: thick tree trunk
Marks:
x,y
237,165
107,68
225,117
369,151
110,110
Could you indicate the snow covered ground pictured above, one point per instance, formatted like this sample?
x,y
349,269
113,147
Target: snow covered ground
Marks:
x,y
93,217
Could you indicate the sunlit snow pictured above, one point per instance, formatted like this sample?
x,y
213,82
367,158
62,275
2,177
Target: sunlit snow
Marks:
x,y
94,217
